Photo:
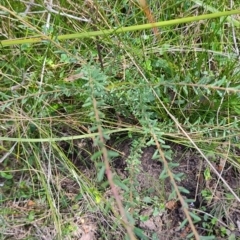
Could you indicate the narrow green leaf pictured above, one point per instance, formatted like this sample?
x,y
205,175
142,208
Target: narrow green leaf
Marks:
x,y
6,175
96,155
112,154
147,199
100,174
120,184
183,223
195,217
139,232
207,237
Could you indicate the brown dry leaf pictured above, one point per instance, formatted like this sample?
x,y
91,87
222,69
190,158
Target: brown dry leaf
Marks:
x,y
219,168
74,77
171,205
185,232
221,164
30,204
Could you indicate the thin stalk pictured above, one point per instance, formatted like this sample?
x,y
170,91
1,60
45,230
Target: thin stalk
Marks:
x,y
65,138
40,38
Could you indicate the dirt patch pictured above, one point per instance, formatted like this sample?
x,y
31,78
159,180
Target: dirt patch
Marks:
x,y
215,219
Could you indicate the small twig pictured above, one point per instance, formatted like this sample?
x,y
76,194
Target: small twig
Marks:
x,y
219,107
32,3
16,87
8,153
99,54
185,208
29,4
233,33
50,9
97,38
223,166
198,180
25,79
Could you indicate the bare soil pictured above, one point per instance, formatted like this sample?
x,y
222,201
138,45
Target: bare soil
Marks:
x,y
166,225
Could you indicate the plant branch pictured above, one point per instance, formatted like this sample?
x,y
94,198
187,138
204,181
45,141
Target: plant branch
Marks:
x,y
184,205
108,170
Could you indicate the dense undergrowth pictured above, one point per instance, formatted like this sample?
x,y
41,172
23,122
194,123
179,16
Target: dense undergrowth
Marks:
x,y
67,105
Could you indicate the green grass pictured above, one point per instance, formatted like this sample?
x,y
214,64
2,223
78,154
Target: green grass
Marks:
x,y
182,88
